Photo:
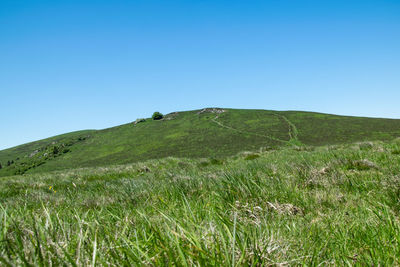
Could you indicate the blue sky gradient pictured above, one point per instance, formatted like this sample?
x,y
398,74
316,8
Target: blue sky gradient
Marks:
x,y
73,65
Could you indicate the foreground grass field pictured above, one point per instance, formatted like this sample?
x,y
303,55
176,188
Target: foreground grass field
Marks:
x,y
336,205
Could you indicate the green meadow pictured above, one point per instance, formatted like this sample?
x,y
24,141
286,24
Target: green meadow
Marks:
x,y
289,205
210,132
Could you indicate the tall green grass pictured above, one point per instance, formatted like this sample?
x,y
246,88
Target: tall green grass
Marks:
x,y
293,206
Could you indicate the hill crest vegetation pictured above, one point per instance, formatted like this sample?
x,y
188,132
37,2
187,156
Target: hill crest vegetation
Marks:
x,y
209,132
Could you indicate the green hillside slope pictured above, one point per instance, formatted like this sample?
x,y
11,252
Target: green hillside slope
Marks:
x,y
210,132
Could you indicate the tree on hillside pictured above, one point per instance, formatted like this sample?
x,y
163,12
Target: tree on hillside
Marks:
x,y
8,163
157,115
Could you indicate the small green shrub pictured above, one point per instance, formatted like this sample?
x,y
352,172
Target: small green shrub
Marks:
x,y
157,116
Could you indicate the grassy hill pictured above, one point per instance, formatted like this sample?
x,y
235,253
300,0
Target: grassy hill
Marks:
x,y
333,205
211,132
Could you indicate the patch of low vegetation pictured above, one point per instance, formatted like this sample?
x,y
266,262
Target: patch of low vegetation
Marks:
x,y
40,156
336,205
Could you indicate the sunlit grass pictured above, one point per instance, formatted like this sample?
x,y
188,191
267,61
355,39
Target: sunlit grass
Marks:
x,y
291,206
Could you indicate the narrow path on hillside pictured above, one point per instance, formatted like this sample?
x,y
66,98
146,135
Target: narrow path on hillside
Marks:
x,y
244,132
293,133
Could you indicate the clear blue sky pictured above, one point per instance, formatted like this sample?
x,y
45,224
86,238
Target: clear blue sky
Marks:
x,y
72,65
